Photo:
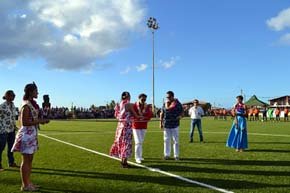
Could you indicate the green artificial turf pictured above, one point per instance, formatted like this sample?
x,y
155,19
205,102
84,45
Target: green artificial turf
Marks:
x,y
57,167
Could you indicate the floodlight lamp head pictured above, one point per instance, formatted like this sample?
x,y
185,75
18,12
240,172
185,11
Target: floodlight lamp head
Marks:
x,y
155,26
152,23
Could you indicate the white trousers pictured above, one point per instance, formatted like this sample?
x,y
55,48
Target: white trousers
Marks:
x,y
139,135
174,134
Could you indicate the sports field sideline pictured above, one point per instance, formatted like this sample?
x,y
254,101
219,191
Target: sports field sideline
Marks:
x,y
77,162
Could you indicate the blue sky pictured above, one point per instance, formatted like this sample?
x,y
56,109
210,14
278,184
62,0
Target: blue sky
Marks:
x,y
204,49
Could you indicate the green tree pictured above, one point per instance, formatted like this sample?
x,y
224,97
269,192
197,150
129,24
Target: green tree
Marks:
x,y
112,104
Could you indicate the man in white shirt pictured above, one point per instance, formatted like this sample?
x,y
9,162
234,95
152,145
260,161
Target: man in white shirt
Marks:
x,y
195,112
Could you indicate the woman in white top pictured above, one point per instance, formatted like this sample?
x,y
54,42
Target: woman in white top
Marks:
x,y
26,139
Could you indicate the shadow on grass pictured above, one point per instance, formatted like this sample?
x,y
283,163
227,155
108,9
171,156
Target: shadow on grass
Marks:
x,y
269,150
180,168
17,182
251,142
240,184
270,143
161,180
223,162
226,184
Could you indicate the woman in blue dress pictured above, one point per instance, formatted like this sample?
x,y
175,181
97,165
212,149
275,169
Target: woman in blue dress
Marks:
x,y
238,137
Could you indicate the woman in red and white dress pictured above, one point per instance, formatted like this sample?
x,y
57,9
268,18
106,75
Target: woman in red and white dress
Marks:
x,y
26,139
122,146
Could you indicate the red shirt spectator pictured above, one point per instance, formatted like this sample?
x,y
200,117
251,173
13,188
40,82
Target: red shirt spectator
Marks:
x,y
256,111
277,112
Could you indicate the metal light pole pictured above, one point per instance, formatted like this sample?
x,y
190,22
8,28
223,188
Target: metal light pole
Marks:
x,y
153,25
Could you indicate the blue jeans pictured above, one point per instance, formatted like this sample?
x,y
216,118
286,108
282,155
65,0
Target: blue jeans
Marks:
x,y
8,138
195,122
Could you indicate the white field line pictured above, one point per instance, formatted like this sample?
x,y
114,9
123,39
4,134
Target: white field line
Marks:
x,y
112,132
142,166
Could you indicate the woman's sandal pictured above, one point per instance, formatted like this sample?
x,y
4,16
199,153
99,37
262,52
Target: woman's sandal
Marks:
x,y
29,188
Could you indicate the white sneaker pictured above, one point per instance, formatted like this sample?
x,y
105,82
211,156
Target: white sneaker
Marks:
x,y
138,161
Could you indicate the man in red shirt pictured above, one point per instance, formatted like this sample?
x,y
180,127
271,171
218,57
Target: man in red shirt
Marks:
x,y
139,126
256,114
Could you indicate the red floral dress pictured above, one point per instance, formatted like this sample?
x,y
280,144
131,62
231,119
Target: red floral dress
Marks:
x,y
122,146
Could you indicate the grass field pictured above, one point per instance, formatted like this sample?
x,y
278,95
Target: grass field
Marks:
x,y
59,167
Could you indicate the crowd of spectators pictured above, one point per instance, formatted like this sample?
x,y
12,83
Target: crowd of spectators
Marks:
x,y
255,114
79,113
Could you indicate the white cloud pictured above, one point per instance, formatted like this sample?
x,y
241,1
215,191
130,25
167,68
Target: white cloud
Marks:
x,y
70,39
281,21
141,67
23,16
170,63
8,64
285,39
68,35
126,71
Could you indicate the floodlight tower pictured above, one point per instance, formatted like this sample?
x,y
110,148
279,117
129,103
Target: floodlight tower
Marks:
x,y
153,25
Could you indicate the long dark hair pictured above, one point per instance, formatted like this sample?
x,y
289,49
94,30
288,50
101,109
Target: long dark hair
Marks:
x,y
28,90
125,95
